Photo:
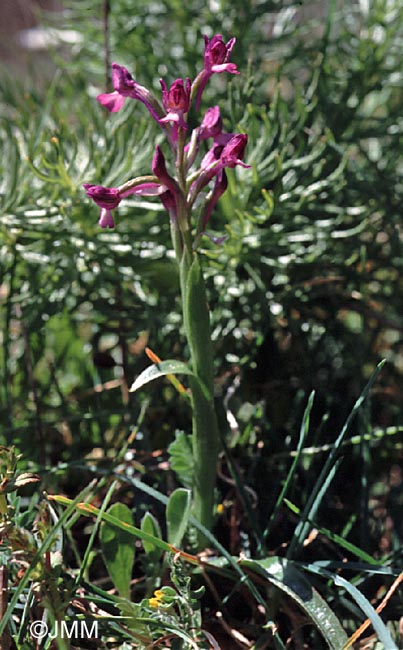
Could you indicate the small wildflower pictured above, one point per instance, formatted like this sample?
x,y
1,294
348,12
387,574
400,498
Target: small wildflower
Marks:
x,y
211,125
215,160
106,197
126,86
220,508
157,599
216,60
176,102
234,150
217,54
154,602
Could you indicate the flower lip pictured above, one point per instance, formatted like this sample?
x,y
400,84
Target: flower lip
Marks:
x,y
106,219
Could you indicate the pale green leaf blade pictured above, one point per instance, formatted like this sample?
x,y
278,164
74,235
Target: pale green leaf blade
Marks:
x,y
181,458
118,549
150,525
177,515
168,367
283,575
364,604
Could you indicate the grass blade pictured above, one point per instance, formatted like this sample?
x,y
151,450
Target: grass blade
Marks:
x,y
302,437
327,473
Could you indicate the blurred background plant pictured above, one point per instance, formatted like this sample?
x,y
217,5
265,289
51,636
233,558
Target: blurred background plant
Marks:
x,y
306,291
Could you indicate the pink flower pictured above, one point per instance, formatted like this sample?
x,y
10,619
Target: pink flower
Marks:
x,y
217,54
126,86
176,102
216,60
106,197
211,125
216,159
234,150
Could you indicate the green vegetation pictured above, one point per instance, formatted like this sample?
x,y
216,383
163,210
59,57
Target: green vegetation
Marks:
x,y
306,299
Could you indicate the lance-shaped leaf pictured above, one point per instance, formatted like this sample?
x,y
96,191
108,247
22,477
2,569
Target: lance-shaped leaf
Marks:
x,y
177,515
284,575
168,367
119,549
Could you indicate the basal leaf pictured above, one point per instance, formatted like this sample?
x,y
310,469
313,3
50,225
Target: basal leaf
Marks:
x,y
283,575
177,515
118,549
150,525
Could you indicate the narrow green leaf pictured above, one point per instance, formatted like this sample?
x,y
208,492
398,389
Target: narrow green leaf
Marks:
x,y
118,549
177,515
341,541
327,473
90,511
168,367
377,623
302,437
283,575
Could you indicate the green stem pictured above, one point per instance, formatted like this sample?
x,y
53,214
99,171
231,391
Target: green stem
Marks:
x,y
205,430
196,320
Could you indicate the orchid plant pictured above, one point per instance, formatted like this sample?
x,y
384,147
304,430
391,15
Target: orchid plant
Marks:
x,y
189,192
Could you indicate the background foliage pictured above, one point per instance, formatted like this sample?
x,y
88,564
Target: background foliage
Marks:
x,y
305,293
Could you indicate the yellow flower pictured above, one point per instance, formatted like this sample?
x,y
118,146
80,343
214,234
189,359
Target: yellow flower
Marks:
x,y
154,602
157,599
